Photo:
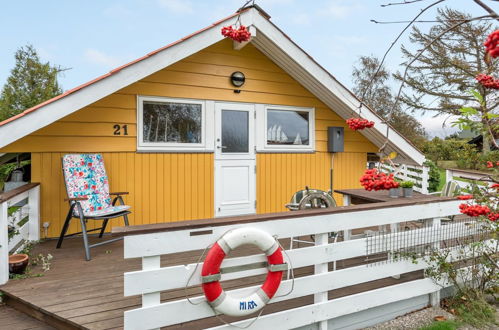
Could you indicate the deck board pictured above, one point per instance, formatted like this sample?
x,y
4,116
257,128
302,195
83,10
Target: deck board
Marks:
x,y
13,319
89,295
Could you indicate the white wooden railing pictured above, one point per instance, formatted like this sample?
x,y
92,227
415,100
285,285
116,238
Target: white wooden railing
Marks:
x,y
466,178
417,174
324,313
19,214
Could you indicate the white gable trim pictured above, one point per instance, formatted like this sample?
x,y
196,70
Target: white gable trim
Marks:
x,y
270,40
66,105
277,46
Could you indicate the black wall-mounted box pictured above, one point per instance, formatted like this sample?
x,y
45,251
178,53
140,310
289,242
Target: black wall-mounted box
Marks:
x,y
335,139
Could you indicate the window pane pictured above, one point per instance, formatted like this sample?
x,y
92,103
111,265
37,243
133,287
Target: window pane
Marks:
x,y
286,127
234,131
172,122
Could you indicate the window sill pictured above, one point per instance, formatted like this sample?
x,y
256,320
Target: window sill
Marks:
x,y
286,151
174,150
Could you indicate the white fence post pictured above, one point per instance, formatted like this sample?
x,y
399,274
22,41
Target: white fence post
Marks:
x,y
321,239
435,296
416,174
34,214
154,298
4,243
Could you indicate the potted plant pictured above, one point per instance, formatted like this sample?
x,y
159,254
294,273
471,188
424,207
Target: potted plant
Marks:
x,y
18,263
407,188
394,192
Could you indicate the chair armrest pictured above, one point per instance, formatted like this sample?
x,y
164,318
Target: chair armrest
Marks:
x,y
119,193
75,199
435,193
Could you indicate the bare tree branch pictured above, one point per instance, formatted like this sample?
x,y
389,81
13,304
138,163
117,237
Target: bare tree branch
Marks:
x,y
492,13
435,39
422,21
393,44
406,2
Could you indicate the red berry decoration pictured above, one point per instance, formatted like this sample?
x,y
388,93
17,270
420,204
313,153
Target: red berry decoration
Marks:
x,y
374,180
474,210
493,216
492,43
487,81
241,34
464,197
359,123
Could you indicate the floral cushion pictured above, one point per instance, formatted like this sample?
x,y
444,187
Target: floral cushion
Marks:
x,y
85,176
107,211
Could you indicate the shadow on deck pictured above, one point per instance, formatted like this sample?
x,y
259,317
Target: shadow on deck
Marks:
x,y
78,294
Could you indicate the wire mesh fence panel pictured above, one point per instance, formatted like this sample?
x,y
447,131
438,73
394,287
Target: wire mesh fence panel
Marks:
x,y
421,238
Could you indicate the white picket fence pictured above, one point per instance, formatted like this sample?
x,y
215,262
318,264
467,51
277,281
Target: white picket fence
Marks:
x,y
465,178
367,308
417,174
21,212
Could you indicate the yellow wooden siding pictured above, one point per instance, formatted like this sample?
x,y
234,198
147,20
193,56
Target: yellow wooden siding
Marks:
x,y
160,189
168,186
348,168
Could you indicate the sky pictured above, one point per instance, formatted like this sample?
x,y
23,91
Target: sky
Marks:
x,y
92,37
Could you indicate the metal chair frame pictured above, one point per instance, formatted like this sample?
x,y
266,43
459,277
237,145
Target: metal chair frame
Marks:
x,y
74,202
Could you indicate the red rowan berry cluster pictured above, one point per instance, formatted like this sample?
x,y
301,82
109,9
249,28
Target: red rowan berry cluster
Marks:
x,y
241,34
491,164
474,210
374,180
359,123
492,44
464,197
487,81
493,216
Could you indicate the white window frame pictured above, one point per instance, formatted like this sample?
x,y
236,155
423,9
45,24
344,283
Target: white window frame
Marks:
x,y
262,146
207,125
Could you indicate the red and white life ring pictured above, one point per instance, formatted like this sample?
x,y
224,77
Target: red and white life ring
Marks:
x,y
216,296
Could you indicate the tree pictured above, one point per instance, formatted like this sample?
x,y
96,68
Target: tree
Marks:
x,y
30,83
377,94
443,78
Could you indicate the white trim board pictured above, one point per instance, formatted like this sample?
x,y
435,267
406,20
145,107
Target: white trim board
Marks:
x,y
87,95
269,39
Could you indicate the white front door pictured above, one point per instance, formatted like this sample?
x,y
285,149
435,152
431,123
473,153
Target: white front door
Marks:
x,y
235,161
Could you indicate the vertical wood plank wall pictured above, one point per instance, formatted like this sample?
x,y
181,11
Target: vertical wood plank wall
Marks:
x,y
171,186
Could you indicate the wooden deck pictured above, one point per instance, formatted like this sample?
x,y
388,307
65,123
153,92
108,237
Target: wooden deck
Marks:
x,y
89,295
13,319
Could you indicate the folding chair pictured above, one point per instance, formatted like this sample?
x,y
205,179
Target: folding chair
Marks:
x,y
450,189
89,198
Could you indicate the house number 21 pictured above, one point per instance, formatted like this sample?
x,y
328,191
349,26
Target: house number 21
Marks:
x,y
118,129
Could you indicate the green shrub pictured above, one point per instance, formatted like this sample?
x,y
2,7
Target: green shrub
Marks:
x,y
438,149
434,176
469,157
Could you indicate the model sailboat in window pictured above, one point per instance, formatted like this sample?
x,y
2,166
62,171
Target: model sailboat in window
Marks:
x,y
275,134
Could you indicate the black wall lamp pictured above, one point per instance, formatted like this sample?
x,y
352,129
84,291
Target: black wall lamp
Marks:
x,y
237,79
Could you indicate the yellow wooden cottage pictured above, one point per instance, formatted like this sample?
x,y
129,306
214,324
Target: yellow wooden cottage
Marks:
x,y
180,133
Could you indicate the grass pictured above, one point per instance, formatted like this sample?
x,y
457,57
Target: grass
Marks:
x,y
476,312
442,325
442,179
